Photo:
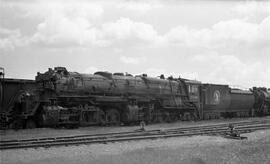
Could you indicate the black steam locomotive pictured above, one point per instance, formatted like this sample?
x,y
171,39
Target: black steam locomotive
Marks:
x,y
61,98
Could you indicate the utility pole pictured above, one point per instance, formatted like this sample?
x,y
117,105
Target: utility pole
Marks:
x,y
2,76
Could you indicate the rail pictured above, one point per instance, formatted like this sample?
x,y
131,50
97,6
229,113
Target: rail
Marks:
x,y
218,129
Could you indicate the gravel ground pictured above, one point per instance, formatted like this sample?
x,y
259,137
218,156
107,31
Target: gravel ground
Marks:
x,y
186,150
49,132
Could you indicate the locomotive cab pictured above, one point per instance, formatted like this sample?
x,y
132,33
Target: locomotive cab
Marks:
x,y
194,92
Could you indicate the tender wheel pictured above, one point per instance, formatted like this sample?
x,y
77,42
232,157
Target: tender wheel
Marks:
x,y
166,117
113,117
30,124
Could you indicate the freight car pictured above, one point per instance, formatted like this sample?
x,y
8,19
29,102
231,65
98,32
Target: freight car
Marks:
x,y
12,93
62,98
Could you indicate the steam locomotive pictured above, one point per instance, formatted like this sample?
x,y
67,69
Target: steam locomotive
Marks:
x,y
62,98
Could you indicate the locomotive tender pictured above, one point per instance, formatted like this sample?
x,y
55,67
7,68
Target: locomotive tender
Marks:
x,y
63,98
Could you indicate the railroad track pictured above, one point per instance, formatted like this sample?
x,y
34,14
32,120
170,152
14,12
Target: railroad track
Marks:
x,y
217,129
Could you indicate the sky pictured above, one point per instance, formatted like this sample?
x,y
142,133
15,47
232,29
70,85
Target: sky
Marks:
x,y
213,41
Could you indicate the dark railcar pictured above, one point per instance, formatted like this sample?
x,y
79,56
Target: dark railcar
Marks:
x,y
11,89
12,105
21,107
242,103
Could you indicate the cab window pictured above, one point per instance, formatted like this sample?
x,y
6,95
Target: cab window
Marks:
x,y
193,89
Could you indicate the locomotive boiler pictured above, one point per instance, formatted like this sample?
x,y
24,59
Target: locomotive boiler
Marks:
x,y
106,98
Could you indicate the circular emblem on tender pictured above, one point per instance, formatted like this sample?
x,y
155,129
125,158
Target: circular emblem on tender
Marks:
x,y
216,97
